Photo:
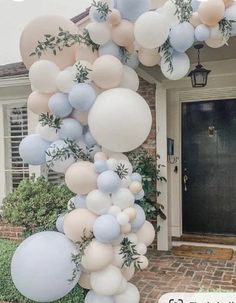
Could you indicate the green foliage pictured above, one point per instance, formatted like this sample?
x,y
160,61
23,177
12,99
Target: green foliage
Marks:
x,y
225,27
129,254
166,49
150,171
8,292
184,9
50,120
82,73
36,204
102,8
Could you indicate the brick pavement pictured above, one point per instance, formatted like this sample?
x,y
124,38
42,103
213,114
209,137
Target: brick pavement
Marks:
x,y
168,273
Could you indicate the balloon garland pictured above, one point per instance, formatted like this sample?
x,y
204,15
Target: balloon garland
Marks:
x,y
85,93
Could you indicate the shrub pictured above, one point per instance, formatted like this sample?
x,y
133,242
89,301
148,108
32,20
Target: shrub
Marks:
x,y
8,292
36,204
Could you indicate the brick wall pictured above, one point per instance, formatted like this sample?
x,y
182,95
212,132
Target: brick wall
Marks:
x,y
11,232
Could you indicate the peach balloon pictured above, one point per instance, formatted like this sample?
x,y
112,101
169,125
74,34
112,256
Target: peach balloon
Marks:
x,y
123,34
86,53
131,212
77,223
211,11
228,2
125,229
216,42
84,280
82,117
38,103
135,187
114,17
195,20
149,57
81,178
100,156
35,31
107,72
128,272
146,234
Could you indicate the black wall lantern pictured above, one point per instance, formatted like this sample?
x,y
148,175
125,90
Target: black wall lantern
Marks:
x,y
199,75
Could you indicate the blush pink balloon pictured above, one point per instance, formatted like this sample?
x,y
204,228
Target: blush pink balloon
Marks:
x,y
123,33
84,280
82,117
38,102
35,31
85,53
211,11
149,57
114,17
228,2
195,20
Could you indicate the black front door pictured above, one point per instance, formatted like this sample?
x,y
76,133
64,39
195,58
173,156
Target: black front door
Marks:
x,y
209,167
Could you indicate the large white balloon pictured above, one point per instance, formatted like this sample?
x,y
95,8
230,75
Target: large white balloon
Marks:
x,y
181,65
123,198
151,30
41,267
130,78
99,33
131,295
123,124
98,202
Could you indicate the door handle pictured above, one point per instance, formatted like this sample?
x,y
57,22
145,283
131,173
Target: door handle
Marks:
x,y
185,182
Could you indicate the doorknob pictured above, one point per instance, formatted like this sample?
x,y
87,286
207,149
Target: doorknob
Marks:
x,y
185,182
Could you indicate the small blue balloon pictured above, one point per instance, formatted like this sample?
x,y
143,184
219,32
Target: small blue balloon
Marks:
x,y
182,37
140,219
59,105
33,148
108,182
132,9
136,177
202,32
106,229
195,5
110,48
60,223
100,166
91,297
132,61
82,97
140,195
89,140
80,201
70,129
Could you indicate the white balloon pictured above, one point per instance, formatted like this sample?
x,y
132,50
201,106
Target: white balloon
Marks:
x,y
146,234
181,66
151,30
98,202
114,210
117,156
123,286
112,163
118,257
43,74
107,281
123,198
99,33
47,133
127,118
141,248
130,79
122,218
169,10
66,79
131,295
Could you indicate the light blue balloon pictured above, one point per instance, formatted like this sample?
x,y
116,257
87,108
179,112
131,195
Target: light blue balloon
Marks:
x,y
132,9
202,32
59,105
106,229
140,195
140,219
70,129
110,48
100,166
89,139
132,61
108,182
136,177
33,148
91,297
60,223
182,37
195,5
82,97
41,267
80,201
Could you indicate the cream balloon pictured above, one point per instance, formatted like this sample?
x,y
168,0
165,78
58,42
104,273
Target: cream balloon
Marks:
x,y
47,133
130,78
84,280
123,198
157,3
35,31
149,57
135,187
131,295
128,272
66,79
215,43
43,75
144,33
125,229
195,20
123,33
146,234
81,178
127,118
38,103
131,212
81,117
100,33
141,248
98,202
103,75
86,53
114,17
143,262
211,12
77,223
97,256
100,156
118,257
107,281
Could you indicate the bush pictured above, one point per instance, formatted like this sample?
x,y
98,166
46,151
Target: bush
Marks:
x,y
8,292
36,204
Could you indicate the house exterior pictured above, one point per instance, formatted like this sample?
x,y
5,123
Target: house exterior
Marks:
x,y
188,196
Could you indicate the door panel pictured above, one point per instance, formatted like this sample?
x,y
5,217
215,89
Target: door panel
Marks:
x,y
209,162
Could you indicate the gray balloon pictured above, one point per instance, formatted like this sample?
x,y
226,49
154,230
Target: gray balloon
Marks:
x,y
140,219
60,223
41,267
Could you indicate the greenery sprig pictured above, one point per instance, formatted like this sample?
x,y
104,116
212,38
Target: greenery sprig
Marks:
x,y
82,73
50,120
122,171
102,8
71,149
77,258
167,52
129,254
85,39
184,9
225,27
